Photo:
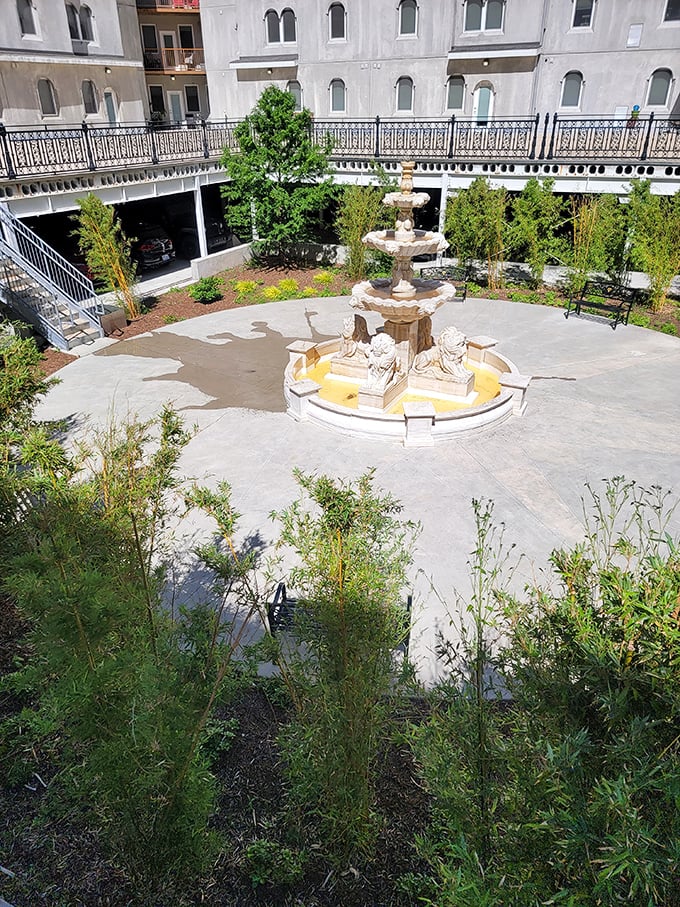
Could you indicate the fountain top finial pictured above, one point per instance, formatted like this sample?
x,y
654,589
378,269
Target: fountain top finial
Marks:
x,y
406,185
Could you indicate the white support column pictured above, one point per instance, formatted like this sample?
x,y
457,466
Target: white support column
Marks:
x,y
443,201
200,222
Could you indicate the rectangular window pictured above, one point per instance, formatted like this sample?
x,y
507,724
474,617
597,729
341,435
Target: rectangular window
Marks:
x,y
193,103
186,36
156,100
89,97
149,37
494,14
583,14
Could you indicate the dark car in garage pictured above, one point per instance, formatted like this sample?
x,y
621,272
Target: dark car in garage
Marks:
x,y
151,247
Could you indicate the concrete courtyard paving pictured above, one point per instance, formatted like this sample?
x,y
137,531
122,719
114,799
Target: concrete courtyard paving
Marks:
x,y
601,403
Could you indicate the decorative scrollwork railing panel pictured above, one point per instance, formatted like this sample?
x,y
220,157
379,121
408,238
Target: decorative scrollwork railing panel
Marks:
x,y
117,147
418,138
357,137
182,143
37,151
494,138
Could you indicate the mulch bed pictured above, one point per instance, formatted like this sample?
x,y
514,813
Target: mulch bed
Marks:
x,y
177,305
57,858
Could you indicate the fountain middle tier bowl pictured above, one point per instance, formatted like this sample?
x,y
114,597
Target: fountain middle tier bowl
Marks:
x,y
376,296
424,243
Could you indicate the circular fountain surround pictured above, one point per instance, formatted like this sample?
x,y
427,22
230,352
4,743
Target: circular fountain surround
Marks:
x,y
401,382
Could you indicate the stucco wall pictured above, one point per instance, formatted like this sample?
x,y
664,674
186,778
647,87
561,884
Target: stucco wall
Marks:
x,y
373,56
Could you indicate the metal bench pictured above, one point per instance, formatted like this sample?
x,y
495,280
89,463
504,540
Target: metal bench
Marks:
x,y
457,275
602,296
281,615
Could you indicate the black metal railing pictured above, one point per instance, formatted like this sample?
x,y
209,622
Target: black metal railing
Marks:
x,y
31,151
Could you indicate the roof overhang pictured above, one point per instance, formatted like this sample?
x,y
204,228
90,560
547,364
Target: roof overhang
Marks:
x,y
493,53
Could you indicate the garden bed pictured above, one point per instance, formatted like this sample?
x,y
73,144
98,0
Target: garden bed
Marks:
x,y
251,286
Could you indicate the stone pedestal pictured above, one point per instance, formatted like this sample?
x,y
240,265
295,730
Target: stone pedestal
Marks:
x,y
477,347
405,335
300,392
382,400
305,350
519,385
419,418
355,367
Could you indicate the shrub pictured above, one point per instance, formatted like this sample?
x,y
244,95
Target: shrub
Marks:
x,y
271,294
323,278
308,292
352,554
270,863
288,287
206,290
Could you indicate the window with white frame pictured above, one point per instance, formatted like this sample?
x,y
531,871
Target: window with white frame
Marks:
x,y
572,86
455,93
405,94
295,89
583,14
26,17
73,24
288,26
337,90
47,98
659,88
271,19
336,22
85,19
280,28
408,18
484,15
89,93
672,13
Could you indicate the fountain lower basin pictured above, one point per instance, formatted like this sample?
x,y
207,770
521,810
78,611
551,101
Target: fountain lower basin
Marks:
x,y
414,418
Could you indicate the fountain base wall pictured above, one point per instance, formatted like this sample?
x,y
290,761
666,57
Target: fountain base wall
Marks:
x,y
415,427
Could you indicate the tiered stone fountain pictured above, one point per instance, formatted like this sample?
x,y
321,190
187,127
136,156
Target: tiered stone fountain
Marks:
x,y
401,382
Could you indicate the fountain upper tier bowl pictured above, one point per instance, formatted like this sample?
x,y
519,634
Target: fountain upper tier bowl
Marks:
x,y
422,242
378,296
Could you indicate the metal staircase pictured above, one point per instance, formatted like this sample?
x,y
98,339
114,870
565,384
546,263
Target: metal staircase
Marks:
x,y
44,288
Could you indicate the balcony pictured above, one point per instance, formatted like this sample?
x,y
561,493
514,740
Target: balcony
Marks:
x,y
169,6
175,59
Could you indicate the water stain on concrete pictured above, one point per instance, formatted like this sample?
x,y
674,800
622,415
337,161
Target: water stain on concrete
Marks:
x,y
242,372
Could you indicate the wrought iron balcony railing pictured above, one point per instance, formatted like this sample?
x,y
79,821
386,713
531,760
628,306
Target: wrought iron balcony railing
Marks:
x,y
175,59
39,151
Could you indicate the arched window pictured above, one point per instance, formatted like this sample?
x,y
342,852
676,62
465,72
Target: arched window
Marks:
x,y
337,96
571,89
295,89
26,19
336,22
73,24
405,95
271,19
86,30
288,26
659,88
455,93
89,93
408,17
47,98
494,14
473,15
482,106
583,14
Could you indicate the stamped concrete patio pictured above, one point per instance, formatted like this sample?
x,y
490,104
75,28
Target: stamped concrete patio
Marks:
x,y
601,403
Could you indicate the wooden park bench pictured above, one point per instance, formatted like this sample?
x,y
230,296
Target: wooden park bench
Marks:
x,y
457,275
281,615
609,298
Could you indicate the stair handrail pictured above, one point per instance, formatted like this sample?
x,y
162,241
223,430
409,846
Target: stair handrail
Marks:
x,y
48,268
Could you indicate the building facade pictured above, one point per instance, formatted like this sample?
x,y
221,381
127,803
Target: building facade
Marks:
x,y
174,62
63,63
420,59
